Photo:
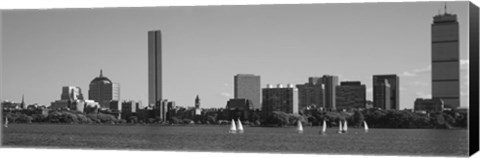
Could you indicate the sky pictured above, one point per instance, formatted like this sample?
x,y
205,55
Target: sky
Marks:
x,y
205,46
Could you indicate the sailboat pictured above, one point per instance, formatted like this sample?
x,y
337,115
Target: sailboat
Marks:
x,y
240,127
340,128
6,122
299,127
345,127
233,128
365,126
324,128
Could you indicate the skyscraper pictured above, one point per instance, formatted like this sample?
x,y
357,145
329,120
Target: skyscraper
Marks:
x,y
154,67
445,59
247,86
330,83
386,94
103,91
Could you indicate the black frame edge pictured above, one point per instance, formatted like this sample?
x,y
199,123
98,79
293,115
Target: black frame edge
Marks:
x,y
474,77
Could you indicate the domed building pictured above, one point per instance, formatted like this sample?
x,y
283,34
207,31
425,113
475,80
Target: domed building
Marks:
x,y
103,91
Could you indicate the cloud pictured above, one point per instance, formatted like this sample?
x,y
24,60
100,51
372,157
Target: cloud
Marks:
x,y
403,88
226,95
418,83
417,71
406,73
423,95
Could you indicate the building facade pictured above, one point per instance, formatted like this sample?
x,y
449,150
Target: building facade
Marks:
x,y
239,109
386,92
445,60
311,95
331,83
247,86
154,67
351,95
280,98
71,98
103,91
429,105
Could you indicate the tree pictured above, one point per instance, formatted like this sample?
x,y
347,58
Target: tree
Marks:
x,y
357,119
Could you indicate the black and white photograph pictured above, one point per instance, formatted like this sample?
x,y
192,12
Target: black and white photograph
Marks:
x,y
362,78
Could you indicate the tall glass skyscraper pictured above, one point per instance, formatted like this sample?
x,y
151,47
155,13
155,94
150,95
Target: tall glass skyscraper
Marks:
x,y
247,86
445,59
154,67
103,91
386,92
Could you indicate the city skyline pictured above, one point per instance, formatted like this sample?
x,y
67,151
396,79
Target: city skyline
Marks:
x,y
200,47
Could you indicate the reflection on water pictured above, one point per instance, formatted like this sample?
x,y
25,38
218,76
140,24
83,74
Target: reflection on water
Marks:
x,y
255,139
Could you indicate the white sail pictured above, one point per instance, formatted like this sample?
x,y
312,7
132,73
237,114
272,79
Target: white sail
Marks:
x,y
365,126
239,126
340,128
233,128
324,127
299,127
345,127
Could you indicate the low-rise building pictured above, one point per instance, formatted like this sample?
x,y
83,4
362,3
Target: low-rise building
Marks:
x,y
429,105
239,108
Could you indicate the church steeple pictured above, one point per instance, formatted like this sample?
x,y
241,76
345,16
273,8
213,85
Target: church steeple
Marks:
x,y
101,73
22,105
197,102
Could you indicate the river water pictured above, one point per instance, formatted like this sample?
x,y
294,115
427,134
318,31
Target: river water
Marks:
x,y
426,142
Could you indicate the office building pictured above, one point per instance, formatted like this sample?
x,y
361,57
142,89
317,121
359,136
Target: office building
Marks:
x,y
70,98
279,98
103,91
311,95
247,86
319,92
386,92
429,105
154,67
239,109
351,95
445,59
71,93
330,83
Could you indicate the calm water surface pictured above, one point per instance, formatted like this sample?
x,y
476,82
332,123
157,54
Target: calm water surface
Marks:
x,y
255,139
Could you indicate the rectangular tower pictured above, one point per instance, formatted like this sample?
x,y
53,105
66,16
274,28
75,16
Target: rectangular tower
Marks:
x,y
445,60
386,99
247,86
330,83
154,67
280,98
351,94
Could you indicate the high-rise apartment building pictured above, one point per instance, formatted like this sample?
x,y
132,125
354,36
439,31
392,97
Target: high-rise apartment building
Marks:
x,y
247,86
311,94
280,98
319,92
351,94
154,67
445,60
103,91
386,92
